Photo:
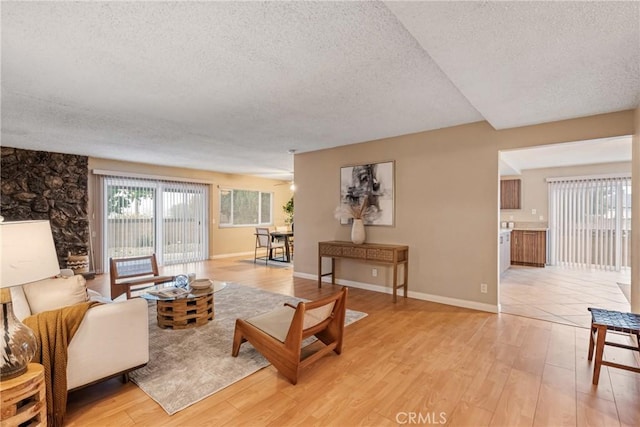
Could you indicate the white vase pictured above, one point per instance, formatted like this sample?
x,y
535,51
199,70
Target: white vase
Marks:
x,y
357,232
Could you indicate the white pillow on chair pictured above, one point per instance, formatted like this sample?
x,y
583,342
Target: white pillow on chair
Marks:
x,y
50,294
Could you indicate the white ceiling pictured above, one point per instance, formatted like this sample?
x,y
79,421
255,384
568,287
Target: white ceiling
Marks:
x,y
232,86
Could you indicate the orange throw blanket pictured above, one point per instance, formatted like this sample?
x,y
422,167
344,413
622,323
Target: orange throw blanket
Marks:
x,y
54,330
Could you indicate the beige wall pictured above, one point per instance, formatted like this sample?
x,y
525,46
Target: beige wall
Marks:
x,y
534,191
222,241
635,224
446,193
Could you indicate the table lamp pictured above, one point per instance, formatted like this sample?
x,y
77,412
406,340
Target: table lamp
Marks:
x,y
28,254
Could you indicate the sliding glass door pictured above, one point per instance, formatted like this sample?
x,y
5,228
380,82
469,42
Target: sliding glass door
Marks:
x,y
590,222
146,216
184,226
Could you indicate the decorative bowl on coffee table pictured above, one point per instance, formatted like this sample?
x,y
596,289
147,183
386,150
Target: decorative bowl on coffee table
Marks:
x,y
201,284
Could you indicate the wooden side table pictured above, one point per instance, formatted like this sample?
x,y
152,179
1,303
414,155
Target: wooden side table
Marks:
x,y
187,312
22,399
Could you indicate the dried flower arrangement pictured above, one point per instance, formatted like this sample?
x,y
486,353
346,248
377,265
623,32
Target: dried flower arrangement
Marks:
x,y
345,212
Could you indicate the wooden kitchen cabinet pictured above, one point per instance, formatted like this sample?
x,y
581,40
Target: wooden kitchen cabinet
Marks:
x,y
510,194
529,247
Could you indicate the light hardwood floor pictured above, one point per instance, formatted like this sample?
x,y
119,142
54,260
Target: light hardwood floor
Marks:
x,y
411,361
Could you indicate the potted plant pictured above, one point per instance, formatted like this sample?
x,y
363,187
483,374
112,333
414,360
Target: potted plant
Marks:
x,y
288,212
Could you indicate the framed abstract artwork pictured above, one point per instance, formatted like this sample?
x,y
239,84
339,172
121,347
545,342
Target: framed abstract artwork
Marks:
x,y
369,188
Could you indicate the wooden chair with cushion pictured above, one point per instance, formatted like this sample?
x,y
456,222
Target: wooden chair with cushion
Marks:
x,y
263,240
134,273
278,334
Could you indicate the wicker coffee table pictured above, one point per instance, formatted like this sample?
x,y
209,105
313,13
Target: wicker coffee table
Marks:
x,y
189,311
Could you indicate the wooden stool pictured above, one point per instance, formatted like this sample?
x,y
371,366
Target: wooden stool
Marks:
x,y
23,399
603,320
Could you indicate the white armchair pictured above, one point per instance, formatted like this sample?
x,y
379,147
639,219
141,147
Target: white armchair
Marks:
x,y
112,339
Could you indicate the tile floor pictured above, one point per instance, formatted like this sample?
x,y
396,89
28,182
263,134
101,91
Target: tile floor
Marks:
x,y
560,294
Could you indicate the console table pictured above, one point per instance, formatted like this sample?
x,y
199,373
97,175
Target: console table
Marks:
x,y
393,255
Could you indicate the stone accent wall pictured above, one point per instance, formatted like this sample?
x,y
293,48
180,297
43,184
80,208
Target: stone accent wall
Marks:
x,y
53,186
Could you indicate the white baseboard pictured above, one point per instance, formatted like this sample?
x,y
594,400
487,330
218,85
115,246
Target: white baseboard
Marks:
x,y
417,295
305,275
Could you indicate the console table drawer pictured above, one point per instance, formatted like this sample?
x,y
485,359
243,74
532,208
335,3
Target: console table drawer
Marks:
x,y
342,251
384,255
330,250
359,253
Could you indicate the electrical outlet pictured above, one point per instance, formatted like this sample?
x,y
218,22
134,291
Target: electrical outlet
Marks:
x,y
534,211
374,272
483,288
541,217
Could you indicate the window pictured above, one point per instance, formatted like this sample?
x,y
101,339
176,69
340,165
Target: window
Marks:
x,y
245,207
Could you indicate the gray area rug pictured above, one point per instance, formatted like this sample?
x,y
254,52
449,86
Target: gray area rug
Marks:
x,y
186,366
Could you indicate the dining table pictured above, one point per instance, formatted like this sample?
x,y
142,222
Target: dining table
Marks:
x,y
286,237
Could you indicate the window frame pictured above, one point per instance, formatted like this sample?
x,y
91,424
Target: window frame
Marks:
x,y
259,204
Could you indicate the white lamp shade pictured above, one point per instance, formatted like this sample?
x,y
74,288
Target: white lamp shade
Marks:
x,y
28,252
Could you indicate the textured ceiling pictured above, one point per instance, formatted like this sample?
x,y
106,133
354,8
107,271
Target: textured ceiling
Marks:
x,y
232,86
524,63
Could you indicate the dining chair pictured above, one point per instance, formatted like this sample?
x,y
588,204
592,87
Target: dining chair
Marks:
x,y
281,229
289,239
264,241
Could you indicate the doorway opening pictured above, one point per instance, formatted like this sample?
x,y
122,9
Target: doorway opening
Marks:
x,y
577,197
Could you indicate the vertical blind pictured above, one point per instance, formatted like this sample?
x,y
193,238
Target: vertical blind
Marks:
x,y
184,216
590,222
143,216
